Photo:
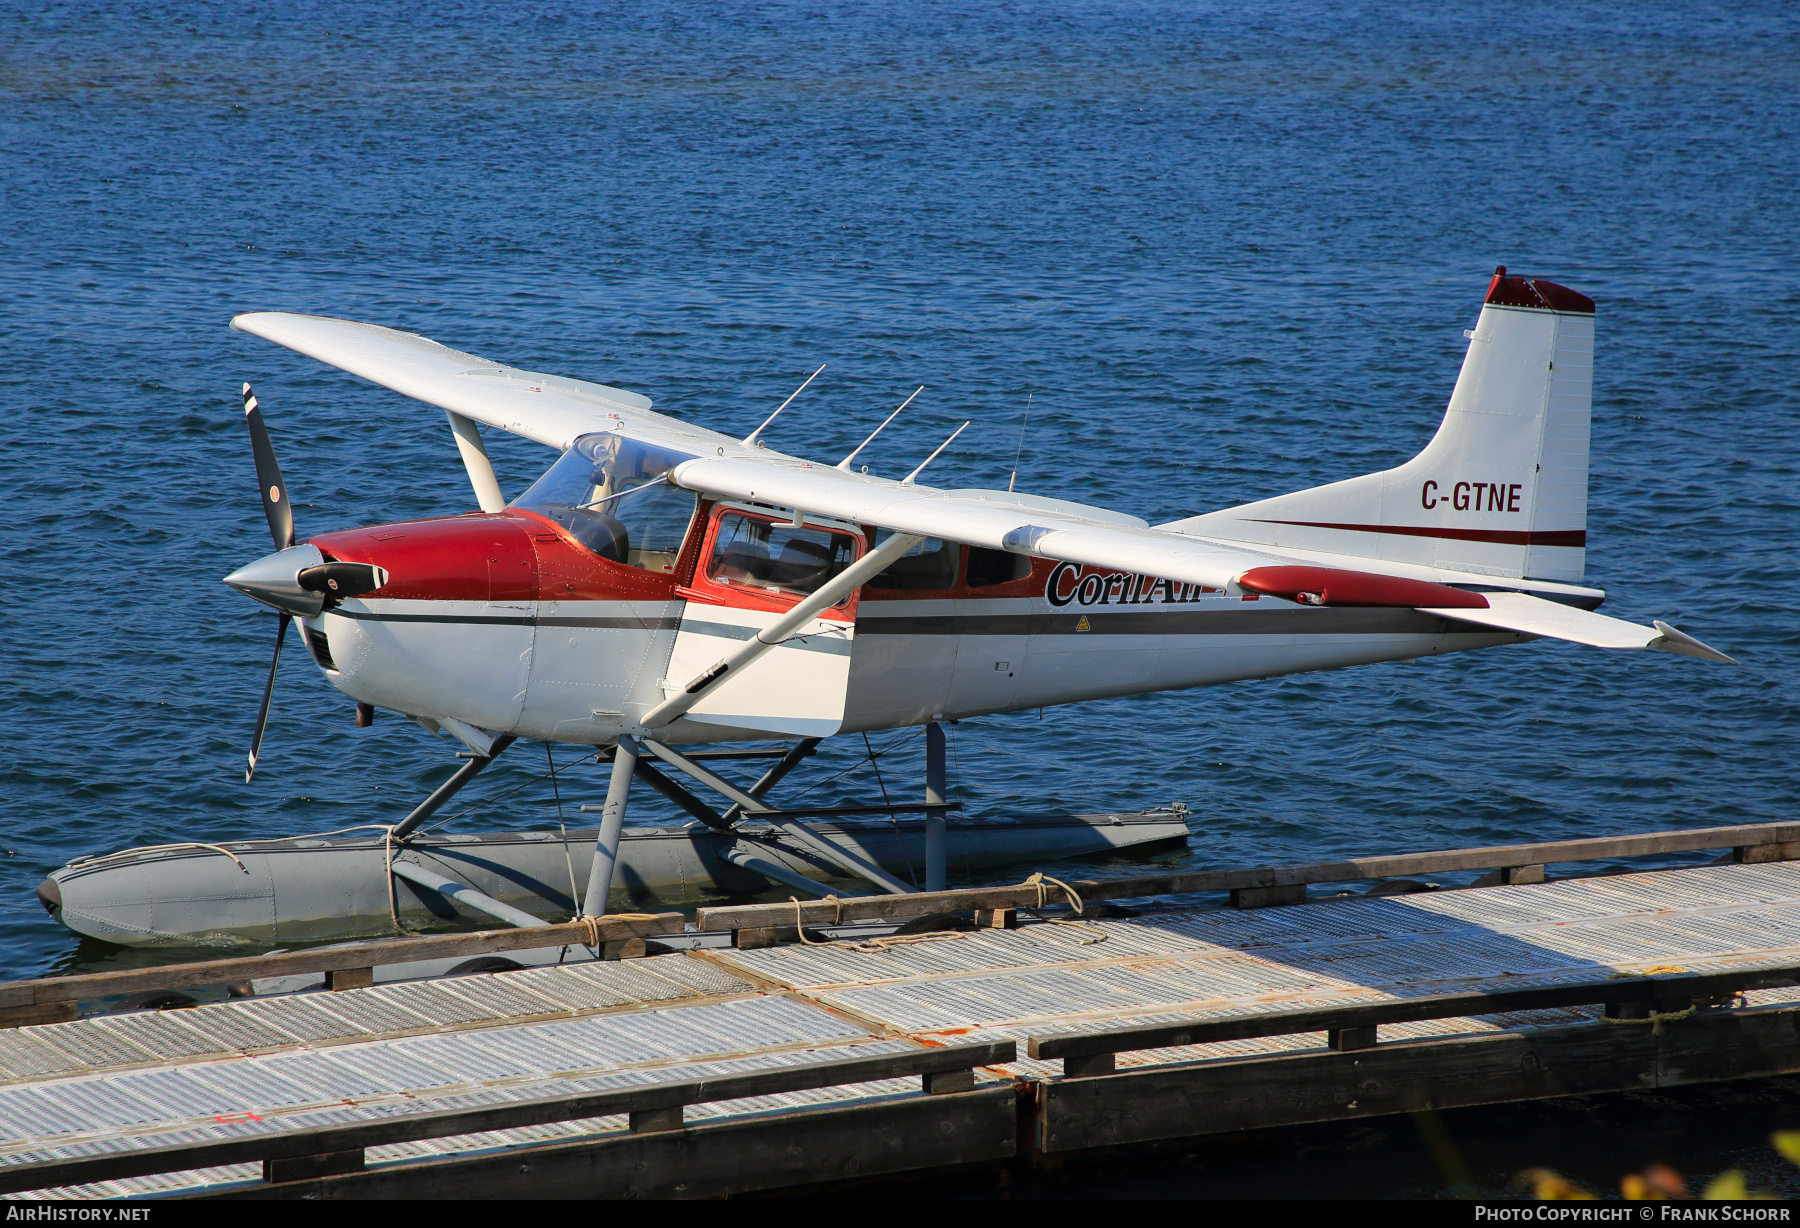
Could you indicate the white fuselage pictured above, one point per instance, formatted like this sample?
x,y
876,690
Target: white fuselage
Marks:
x,y
582,671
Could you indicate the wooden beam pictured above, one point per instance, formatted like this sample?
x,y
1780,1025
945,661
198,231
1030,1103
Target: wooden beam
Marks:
x,y
1353,1017
1535,1063
651,1099
329,959
715,1160
868,908
47,1012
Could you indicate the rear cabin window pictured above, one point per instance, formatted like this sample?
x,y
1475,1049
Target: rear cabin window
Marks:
x,y
930,565
776,557
990,567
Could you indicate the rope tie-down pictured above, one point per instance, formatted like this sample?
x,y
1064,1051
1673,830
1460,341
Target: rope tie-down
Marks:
x,y
1041,881
1656,1019
592,924
873,945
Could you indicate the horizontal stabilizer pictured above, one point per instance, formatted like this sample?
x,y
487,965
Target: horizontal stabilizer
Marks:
x,y
1535,616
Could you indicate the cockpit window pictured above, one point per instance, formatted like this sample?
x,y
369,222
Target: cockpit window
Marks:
x,y
612,495
776,557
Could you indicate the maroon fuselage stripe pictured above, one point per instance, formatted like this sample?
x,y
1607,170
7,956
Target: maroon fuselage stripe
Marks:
x,y
1504,537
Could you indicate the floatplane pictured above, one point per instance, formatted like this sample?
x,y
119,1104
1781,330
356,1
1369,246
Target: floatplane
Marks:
x,y
664,587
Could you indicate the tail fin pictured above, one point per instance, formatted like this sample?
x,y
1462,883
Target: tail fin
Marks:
x,y
1500,490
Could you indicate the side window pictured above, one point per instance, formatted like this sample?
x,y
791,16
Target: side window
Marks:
x,y
655,521
930,565
990,567
776,557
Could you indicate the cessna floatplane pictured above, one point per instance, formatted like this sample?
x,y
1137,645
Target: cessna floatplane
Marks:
x,y
663,586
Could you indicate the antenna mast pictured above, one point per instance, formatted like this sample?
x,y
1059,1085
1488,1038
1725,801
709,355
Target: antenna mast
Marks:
x,y
1021,451
907,480
751,437
845,463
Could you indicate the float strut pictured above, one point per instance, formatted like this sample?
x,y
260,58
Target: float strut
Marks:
x,y
444,792
787,763
843,858
612,818
936,857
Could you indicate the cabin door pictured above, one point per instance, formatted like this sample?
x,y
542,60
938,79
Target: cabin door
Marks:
x,y
755,566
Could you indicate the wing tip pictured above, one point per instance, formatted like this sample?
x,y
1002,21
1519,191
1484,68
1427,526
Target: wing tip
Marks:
x,y
1678,641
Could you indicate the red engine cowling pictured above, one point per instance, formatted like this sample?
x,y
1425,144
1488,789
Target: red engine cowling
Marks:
x,y
506,556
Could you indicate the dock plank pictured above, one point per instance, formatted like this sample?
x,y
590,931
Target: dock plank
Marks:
x,y
394,1051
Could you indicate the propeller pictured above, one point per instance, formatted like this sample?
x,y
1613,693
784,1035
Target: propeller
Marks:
x,y
283,618
268,476
280,514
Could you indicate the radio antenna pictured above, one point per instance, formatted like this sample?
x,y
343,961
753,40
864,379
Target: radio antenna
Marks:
x,y
907,480
845,463
1021,451
751,437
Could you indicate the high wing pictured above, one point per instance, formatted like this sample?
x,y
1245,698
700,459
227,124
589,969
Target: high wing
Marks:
x,y
556,411
1020,524
547,409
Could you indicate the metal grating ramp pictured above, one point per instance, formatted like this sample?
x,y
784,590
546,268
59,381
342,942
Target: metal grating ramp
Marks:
x,y
999,984
260,1065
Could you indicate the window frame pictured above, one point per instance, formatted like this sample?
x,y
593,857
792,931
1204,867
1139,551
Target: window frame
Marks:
x,y
703,588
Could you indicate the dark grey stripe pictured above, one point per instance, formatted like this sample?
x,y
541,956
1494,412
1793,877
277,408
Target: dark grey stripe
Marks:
x,y
810,643
515,620
723,631
1327,621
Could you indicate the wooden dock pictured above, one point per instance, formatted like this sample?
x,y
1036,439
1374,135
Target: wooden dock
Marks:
x,y
772,1063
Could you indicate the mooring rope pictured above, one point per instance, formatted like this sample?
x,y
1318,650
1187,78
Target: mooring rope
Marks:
x,y
1655,1019
879,946
568,858
838,918
162,848
592,922
875,946
387,846
1040,880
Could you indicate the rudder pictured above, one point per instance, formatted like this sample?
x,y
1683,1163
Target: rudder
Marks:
x,y
1500,490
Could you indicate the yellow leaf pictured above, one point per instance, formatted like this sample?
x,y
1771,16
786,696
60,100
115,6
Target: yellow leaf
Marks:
x,y
1787,1142
1728,1186
1548,1186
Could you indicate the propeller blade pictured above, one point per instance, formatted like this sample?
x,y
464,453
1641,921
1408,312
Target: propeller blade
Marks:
x,y
262,714
268,477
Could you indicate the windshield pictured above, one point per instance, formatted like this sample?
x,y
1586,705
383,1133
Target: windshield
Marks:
x,y
610,493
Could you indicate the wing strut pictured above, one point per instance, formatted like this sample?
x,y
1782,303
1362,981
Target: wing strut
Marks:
x,y
475,460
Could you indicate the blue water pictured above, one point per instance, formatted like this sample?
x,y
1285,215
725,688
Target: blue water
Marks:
x,y
1225,251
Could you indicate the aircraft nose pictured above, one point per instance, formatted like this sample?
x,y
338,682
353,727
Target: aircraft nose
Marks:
x,y
274,580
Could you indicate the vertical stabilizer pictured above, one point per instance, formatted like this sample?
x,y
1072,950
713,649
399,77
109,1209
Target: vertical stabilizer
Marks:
x,y
1500,490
